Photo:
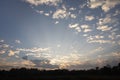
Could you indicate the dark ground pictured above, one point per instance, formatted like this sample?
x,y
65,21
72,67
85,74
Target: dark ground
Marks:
x,y
105,73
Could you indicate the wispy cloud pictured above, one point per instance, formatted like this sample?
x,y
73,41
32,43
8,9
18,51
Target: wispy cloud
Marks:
x,y
98,39
104,28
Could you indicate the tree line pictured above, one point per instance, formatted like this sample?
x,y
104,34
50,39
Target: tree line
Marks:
x,y
105,73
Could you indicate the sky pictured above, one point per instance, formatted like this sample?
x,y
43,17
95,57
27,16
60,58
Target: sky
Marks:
x,y
58,34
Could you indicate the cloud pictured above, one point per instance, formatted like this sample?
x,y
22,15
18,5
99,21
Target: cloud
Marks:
x,y
46,2
44,64
105,5
34,50
104,28
95,3
89,18
17,41
75,26
46,14
27,63
4,47
86,28
108,19
1,41
2,51
96,50
6,63
60,14
63,13
98,39
72,9
109,4
68,60
12,52
73,16
56,22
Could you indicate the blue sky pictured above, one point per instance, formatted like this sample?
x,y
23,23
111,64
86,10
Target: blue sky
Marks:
x,y
52,34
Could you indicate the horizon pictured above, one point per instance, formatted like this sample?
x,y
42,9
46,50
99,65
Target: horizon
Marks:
x,y
59,34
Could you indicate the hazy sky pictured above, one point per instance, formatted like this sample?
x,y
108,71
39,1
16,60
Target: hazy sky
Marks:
x,y
52,34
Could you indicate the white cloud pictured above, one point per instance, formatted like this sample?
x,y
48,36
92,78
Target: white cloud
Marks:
x,y
96,50
46,14
106,20
2,41
85,35
75,26
86,28
104,28
11,53
46,2
94,3
41,12
98,39
58,45
17,41
27,63
89,18
2,51
4,46
60,14
73,16
117,12
109,4
56,22
95,37
66,61
112,35
72,8
35,49
105,5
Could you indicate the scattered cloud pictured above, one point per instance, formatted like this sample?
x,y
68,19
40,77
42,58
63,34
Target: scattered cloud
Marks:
x,y
68,60
60,14
33,50
86,28
17,41
1,41
73,16
56,22
2,51
46,14
13,52
108,19
89,18
105,5
98,39
104,28
72,9
96,50
46,2
75,26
